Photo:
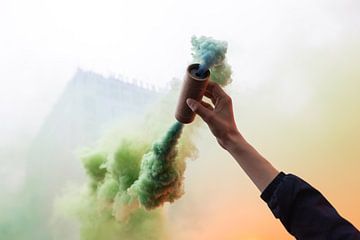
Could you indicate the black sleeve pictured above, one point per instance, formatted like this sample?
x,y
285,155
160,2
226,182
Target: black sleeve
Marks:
x,y
304,211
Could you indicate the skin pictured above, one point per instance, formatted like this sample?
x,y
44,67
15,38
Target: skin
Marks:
x,y
221,122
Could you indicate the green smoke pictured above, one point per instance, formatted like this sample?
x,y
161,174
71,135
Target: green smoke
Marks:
x,y
126,183
160,177
98,222
211,54
132,176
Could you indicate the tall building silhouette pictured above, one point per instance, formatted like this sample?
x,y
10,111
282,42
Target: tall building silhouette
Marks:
x,y
89,104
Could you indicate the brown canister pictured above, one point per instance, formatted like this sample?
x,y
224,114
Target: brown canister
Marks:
x,y
193,87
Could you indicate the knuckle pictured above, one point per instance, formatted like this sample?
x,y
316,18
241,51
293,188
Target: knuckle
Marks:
x,y
209,118
228,100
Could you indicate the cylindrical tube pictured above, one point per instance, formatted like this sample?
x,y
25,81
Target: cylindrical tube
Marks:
x,y
193,87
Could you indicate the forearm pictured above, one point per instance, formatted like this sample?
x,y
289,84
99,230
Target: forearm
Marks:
x,y
259,170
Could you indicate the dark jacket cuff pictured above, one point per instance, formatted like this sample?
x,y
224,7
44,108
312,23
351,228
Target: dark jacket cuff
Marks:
x,y
269,190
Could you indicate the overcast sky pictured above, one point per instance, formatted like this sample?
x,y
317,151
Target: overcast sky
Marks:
x,y
42,42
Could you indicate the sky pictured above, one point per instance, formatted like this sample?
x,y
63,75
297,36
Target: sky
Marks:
x,y
299,58
43,42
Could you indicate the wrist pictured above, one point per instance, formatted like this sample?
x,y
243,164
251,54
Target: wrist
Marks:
x,y
234,141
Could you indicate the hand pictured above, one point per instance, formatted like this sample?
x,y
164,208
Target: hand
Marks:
x,y
220,117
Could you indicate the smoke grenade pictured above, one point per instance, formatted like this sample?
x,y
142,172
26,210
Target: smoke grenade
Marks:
x,y
194,87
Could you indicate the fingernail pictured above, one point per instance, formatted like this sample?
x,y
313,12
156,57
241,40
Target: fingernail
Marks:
x,y
190,102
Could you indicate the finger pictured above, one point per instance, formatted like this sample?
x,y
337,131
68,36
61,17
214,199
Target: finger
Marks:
x,y
210,96
207,105
199,109
209,89
215,92
208,93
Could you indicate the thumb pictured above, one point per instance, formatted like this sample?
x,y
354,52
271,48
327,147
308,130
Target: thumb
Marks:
x,y
198,108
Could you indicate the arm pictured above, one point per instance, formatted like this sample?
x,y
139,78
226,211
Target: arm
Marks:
x,y
221,122
303,210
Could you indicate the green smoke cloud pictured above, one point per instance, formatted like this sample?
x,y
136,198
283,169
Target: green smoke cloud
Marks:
x,y
211,54
127,184
131,177
160,177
